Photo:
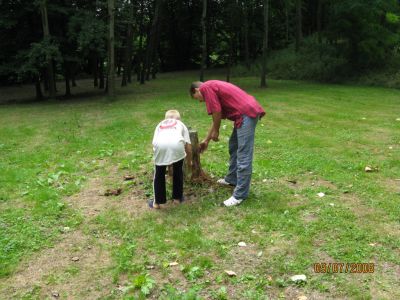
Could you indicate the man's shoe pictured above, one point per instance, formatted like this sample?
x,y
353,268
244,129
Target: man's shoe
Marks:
x,y
222,181
232,201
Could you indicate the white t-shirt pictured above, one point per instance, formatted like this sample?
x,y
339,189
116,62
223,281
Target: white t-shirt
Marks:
x,y
169,142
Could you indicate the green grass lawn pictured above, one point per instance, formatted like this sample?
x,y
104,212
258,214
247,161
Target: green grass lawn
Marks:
x,y
314,138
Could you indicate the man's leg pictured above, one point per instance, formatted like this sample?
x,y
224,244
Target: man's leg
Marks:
x,y
177,182
245,138
159,185
231,177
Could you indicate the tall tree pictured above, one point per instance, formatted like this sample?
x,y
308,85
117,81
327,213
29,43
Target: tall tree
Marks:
x,y
152,39
111,50
204,40
46,35
299,29
128,47
265,45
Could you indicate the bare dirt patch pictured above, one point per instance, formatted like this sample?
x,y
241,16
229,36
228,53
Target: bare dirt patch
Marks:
x,y
77,267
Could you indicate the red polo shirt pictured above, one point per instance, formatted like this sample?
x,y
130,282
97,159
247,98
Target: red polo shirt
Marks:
x,y
230,100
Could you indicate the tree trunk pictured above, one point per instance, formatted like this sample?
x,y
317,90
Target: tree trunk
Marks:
x,y
194,171
140,66
265,45
299,30
230,55
46,35
101,73
67,77
204,40
246,37
152,39
95,68
111,55
287,21
128,48
319,21
38,88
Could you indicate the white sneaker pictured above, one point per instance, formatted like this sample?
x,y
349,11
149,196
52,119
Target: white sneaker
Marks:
x,y
222,181
232,201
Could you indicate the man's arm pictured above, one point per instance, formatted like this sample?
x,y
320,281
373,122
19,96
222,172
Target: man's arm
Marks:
x,y
213,132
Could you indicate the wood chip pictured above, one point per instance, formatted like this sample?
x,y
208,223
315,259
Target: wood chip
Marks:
x,y
174,263
230,273
129,177
114,192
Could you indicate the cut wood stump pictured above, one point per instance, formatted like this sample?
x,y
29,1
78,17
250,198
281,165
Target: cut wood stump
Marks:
x,y
194,171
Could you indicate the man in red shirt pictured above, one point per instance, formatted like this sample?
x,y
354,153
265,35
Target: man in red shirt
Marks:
x,y
227,101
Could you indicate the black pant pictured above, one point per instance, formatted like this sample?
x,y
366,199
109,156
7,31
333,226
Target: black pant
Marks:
x,y
160,196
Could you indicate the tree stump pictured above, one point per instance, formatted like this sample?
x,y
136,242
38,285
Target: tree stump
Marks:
x,y
194,171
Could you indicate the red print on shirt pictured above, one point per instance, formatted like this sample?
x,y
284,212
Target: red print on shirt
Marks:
x,y
168,124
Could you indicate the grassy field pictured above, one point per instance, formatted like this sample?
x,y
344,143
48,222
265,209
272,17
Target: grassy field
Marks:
x,y
62,238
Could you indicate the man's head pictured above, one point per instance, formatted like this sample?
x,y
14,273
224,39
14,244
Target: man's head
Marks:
x,y
195,92
173,114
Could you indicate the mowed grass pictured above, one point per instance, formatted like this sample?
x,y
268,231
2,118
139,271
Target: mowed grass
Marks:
x,y
314,138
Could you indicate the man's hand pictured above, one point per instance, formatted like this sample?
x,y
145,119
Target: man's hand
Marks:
x,y
203,146
215,135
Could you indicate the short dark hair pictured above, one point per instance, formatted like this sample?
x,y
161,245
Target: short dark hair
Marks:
x,y
193,86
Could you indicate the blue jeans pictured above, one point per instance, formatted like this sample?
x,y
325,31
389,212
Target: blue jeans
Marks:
x,y
241,145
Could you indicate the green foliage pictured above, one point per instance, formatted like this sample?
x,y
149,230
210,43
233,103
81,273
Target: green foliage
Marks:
x,y
89,32
142,283
37,58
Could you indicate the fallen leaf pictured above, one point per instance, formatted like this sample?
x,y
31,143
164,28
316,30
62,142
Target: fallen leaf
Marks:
x,y
321,195
230,273
75,258
150,267
298,278
55,294
269,278
129,177
368,169
115,192
174,263
65,229
242,244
